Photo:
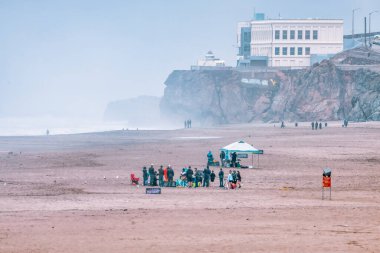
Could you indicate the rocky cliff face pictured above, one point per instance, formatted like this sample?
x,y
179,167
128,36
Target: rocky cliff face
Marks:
x,y
326,91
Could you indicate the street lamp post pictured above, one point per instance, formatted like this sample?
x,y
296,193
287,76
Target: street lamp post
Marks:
x,y
353,21
369,17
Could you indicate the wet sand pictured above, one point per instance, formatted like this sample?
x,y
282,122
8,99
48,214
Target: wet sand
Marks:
x,y
54,198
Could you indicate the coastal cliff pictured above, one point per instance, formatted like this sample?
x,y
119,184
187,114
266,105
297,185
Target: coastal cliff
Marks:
x,y
332,90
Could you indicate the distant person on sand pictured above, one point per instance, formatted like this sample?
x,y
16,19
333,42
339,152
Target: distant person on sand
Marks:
x,y
316,125
282,124
161,176
198,178
312,125
230,179
206,175
166,179
238,179
151,175
145,176
210,158
320,125
185,123
47,132
189,176
212,176
222,157
233,159
325,124
221,177
170,176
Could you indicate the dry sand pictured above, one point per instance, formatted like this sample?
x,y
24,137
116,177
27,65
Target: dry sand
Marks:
x,y
53,197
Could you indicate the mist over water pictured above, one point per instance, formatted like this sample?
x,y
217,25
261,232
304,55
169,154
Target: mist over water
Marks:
x,y
31,126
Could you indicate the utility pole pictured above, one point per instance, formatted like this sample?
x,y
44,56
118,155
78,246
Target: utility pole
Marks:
x,y
353,21
365,31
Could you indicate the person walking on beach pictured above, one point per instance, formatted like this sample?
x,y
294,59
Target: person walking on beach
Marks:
x,y
221,177
316,125
312,125
161,176
145,176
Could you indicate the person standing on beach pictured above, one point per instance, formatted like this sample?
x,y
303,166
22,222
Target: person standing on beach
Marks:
x,y
312,125
222,157
212,176
151,175
170,176
233,160
230,180
206,175
145,176
198,177
166,176
189,177
320,125
238,179
221,177
161,176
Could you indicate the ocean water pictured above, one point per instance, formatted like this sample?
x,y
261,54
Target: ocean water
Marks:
x,y
39,126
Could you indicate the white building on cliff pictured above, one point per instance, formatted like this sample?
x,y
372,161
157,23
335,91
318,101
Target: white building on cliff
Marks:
x,y
288,42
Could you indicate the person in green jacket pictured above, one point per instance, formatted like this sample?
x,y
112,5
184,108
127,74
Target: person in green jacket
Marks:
x,y
145,176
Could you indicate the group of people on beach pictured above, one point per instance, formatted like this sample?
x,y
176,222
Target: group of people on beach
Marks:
x,y
164,177
316,125
187,123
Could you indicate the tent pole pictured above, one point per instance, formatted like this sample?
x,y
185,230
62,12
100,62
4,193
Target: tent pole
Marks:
x,y
252,160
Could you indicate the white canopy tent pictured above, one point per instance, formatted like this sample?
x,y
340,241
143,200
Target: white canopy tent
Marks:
x,y
241,147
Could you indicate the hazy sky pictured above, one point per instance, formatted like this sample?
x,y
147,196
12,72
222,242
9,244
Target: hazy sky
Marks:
x,y
71,57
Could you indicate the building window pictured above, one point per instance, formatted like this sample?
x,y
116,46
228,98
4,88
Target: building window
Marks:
x,y
277,51
299,35
307,35
292,50
315,35
277,34
292,34
284,51
284,35
299,51
307,50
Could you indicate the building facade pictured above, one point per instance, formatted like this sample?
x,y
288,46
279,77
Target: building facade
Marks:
x,y
288,42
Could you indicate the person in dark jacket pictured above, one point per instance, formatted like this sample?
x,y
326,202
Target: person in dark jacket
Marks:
x,y
221,177
238,179
161,176
212,176
312,125
222,157
145,176
189,176
170,176
206,175
233,159
198,177
320,125
151,175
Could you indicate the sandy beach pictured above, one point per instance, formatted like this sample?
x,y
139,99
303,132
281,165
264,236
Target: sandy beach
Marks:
x,y
54,198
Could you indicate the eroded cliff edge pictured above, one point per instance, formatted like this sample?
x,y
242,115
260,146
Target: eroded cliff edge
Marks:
x,y
326,91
